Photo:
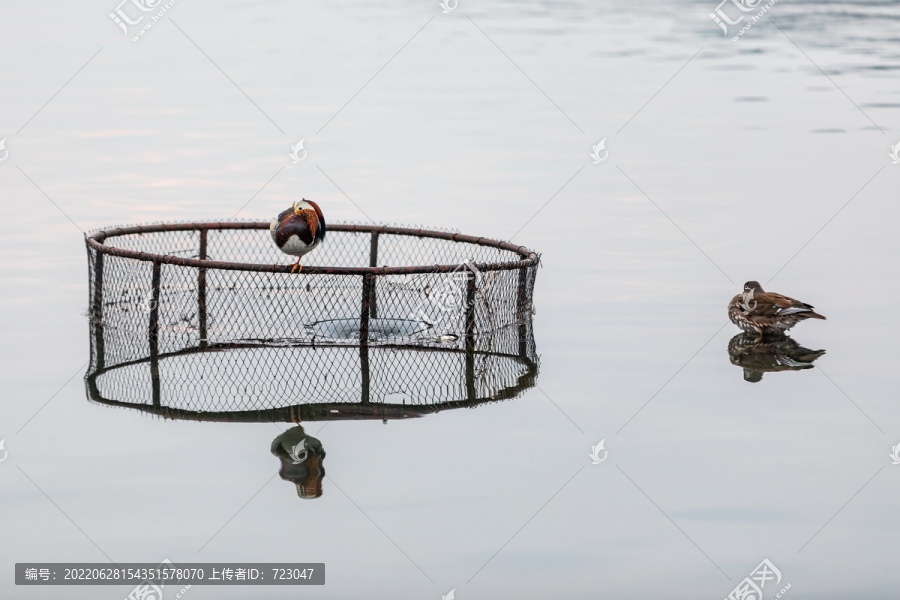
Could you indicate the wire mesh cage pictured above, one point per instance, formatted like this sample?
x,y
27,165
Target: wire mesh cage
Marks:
x,y
205,321
206,283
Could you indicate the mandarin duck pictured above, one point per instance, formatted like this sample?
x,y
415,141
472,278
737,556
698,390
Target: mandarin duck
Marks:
x,y
298,230
765,313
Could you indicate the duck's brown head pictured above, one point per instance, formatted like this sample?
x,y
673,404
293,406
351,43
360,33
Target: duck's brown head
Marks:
x,y
753,286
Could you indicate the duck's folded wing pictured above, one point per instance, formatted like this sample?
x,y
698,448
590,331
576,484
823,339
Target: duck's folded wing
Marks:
x,y
783,305
764,304
293,225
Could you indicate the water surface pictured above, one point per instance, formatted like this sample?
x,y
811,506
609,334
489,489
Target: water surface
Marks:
x,y
764,158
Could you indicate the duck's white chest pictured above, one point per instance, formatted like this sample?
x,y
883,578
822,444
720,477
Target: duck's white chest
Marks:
x,y
296,247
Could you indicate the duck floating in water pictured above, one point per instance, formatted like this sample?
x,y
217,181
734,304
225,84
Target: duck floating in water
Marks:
x,y
766,313
298,230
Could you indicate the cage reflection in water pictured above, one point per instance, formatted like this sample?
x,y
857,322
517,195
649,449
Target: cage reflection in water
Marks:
x,y
259,382
290,382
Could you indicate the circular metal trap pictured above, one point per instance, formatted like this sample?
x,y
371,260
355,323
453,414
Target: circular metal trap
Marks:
x,y
201,284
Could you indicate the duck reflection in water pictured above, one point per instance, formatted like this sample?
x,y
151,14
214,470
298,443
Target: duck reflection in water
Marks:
x,y
770,353
301,458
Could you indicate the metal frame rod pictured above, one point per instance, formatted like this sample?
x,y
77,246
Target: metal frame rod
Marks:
x,y
368,285
373,262
470,303
201,288
96,240
154,332
97,309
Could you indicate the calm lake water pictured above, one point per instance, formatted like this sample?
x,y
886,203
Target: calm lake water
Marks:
x,y
764,158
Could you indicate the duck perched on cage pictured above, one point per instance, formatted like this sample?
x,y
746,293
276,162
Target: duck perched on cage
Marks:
x,y
767,313
298,230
